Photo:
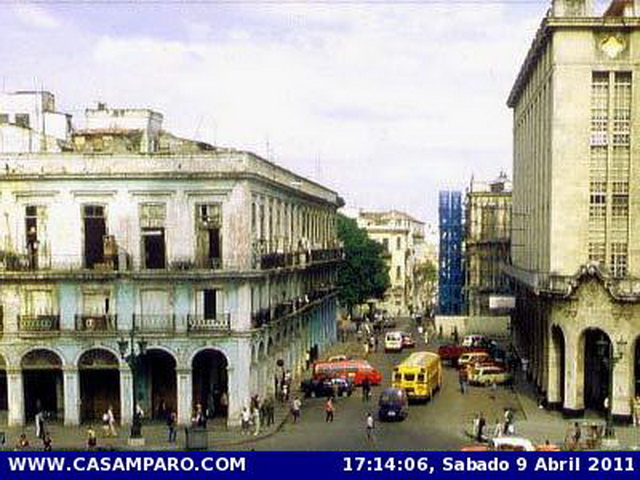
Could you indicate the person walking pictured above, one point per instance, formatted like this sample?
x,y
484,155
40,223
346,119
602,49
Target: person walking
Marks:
x,y
245,418
481,424
370,425
255,417
111,422
171,426
295,409
366,389
329,411
46,442
462,379
576,436
40,427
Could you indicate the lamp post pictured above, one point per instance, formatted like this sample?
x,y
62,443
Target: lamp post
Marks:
x,y
129,355
611,359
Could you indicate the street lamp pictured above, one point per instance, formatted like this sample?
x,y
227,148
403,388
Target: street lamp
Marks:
x,y
129,355
605,349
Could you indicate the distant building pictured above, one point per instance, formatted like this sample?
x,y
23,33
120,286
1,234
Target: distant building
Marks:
x,y
450,269
487,243
576,207
214,266
400,234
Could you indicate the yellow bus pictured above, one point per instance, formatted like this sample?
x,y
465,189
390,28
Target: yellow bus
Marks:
x,y
420,375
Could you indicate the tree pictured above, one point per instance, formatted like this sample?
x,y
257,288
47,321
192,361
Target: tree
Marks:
x,y
426,282
364,273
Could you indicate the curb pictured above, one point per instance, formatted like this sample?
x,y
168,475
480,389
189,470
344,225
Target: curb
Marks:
x,y
244,441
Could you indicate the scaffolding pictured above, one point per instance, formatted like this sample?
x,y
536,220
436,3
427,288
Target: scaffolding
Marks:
x,y
450,272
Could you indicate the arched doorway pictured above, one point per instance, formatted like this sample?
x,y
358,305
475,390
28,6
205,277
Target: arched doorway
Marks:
x,y
210,382
99,384
557,367
156,384
597,347
42,382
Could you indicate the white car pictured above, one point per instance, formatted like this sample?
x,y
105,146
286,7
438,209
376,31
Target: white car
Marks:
x,y
393,342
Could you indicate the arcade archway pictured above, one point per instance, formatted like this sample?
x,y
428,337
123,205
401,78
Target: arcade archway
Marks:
x,y
210,382
42,382
99,384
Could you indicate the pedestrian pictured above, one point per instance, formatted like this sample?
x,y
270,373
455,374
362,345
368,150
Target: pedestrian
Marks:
x,y
509,428
476,425
577,434
22,443
366,389
40,427
224,403
481,424
92,440
329,410
111,422
462,378
199,418
636,411
245,420
285,392
370,425
366,348
498,429
295,409
46,442
171,426
255,417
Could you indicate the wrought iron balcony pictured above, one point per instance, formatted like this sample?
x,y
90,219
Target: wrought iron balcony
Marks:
x,y
96,323
200,323
38,323
154,323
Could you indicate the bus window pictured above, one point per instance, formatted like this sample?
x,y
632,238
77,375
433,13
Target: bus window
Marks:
x,y
421,377
398,377
409,377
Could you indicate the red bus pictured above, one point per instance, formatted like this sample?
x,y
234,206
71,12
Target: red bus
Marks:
x,y
354,370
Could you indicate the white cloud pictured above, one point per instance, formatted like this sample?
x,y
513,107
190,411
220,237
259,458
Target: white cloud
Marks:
x,y
36,16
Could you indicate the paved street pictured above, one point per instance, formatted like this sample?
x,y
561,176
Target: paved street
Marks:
x,y
438,425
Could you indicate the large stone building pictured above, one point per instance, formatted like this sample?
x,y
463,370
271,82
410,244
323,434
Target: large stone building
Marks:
x,y
487,243
576,206
215,266
400,235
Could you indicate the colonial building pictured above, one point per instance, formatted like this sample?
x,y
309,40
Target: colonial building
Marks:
x,y
214,267
487,242
576,206
399,234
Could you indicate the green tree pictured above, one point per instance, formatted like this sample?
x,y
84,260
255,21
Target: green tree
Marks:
x,y
364,273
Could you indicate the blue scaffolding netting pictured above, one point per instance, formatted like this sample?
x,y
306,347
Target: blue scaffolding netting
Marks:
x,y
450,273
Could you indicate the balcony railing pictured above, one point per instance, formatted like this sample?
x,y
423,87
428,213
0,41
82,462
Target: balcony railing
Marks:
x,y
200,323
96,323
298,258
38,323
154,323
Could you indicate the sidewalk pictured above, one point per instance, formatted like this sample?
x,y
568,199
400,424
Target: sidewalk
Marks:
x,y
155,435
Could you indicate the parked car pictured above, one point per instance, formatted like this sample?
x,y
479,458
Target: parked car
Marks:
x,y
337,358
407,340
486,375
510,444
472,357
393,404
453,352
326,387
475,341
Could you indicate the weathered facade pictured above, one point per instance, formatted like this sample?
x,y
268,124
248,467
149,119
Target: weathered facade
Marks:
x,y
576,206
487,242
221,262
400,234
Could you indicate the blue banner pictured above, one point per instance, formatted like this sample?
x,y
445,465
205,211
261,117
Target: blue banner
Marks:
x,y
319,465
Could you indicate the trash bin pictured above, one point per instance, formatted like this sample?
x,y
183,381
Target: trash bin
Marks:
x,y
196,438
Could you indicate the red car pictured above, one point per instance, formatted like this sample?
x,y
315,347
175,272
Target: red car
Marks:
x,y
407,340
352,370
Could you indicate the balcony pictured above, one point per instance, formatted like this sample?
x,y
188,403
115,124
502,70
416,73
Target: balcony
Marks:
x,y
272,260
96,323
38,323
202,324
154,323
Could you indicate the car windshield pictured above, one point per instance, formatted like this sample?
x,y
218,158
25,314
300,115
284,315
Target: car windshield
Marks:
x,y
391,396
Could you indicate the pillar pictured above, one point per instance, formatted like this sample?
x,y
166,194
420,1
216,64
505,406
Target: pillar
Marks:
x,y
15,397
126,396
554,372
623,388
71,396
574,376
238,378
184,382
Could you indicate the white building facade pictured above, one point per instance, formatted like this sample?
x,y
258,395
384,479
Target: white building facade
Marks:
x,y
217,263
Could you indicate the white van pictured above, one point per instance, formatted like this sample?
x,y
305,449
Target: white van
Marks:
x,y
393,342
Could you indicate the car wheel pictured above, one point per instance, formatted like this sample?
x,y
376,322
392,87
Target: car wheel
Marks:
x,y
313,394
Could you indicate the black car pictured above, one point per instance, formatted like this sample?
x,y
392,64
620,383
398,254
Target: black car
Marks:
x,y
327,387
393,404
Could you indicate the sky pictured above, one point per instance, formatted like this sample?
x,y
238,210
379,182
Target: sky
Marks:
x,y
386,102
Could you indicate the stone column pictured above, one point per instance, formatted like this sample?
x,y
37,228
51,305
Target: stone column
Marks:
x,y
574,377
15,397
126,396
238,380
71,388
184,383
623,391
554,374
